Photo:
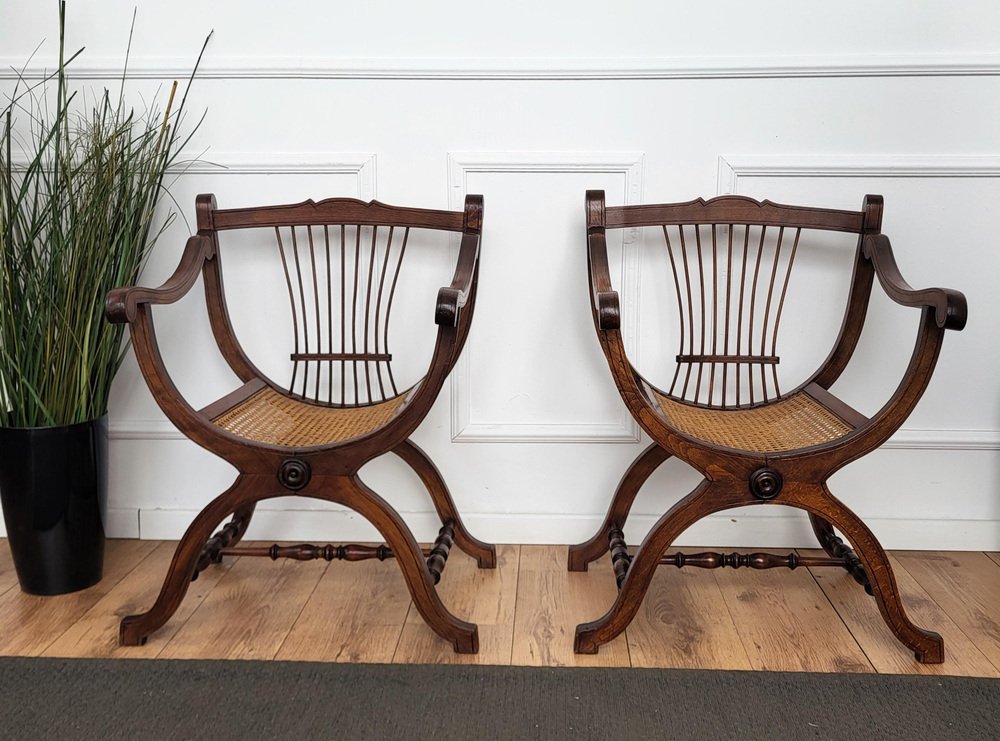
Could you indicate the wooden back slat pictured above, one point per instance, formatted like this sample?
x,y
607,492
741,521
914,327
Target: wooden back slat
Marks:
x,y
731,261
350,346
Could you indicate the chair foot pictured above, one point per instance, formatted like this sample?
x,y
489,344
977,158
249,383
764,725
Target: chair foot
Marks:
x,y
352,492
927,646
130,631
484,553
135,629
635,476
704,500
583,642
467,643
934,652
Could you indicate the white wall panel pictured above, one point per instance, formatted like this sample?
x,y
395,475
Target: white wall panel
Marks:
x,y
531,105
452,38
534,373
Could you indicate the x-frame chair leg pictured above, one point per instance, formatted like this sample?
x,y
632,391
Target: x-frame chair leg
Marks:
x,y
349,491
641,469
927,646
352,492
240,497
704,500
825,510
484,553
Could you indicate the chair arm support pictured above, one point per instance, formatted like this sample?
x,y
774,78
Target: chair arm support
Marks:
x,y
121,303
452,298
949,306
607,308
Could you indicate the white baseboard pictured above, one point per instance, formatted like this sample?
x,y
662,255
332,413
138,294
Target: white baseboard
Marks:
x,y
786,530
120,523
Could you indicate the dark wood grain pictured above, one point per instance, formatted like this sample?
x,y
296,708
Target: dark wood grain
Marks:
x,y
121,303
327,471
950,308
705,265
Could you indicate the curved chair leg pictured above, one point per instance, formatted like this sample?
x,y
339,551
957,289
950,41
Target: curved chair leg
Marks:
x,y
353,493
704,500
636,475
484,553
241,496
927,646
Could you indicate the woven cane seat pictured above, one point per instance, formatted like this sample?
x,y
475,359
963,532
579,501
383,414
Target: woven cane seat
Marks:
x,y
270,417
798,421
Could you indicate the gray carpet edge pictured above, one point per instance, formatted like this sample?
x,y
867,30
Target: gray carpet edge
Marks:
x,y
184,699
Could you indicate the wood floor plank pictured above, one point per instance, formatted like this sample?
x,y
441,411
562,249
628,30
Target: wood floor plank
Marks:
x,y
786,623
250,611
355,614
684,623
95,634
551,601
482,596
967,587
882,648
8,577
29,624
527,611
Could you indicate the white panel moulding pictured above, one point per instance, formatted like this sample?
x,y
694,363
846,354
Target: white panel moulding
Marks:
x,y
360,164
734,167
526,68
623,429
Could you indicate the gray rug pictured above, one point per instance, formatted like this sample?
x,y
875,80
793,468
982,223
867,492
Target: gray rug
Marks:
x,y
99,699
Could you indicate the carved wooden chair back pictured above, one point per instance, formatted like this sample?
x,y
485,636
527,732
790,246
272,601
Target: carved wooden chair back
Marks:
x,y
341,262
731,264
725,411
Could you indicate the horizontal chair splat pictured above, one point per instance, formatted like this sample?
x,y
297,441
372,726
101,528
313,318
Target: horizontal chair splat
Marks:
x,y
359,356
337,211
743,359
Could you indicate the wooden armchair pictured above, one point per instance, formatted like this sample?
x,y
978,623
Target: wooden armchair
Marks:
x,y
341,260
731,258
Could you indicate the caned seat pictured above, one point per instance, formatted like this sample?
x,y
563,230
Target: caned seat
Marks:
x,y
724,411
269,416
341,264
792,423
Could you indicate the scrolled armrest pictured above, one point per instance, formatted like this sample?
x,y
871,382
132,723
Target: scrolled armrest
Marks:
x,y
605,299
950,307
121,303
452,298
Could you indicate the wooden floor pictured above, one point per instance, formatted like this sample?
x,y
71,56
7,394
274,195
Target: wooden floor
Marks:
x,y
250,608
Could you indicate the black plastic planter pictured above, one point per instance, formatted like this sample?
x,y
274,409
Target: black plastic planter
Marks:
x,y
53,487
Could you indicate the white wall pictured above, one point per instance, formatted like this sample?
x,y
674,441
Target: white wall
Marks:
x,y
530,104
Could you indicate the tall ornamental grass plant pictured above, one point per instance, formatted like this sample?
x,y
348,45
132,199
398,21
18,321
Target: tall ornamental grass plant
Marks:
x,y
80,186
